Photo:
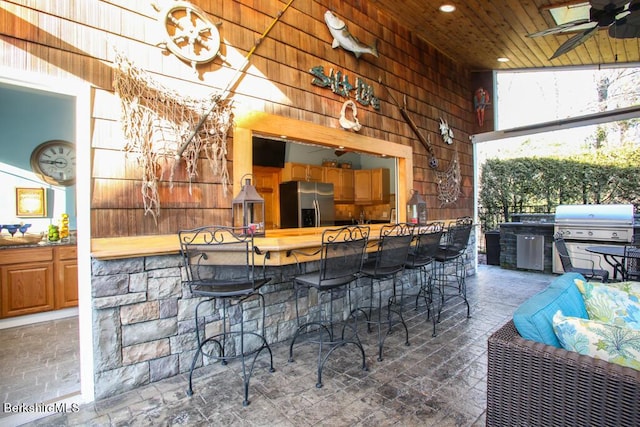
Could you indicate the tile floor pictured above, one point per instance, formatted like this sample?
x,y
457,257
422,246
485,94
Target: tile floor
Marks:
x,y
437,381
39,362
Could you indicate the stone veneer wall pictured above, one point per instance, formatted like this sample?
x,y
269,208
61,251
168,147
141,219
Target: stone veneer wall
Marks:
x,y
508,242
143,317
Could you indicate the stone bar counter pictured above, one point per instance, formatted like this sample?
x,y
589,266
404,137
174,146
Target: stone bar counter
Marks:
x,y
143,316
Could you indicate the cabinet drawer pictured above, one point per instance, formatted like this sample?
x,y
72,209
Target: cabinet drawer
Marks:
x,y
16,256
67,252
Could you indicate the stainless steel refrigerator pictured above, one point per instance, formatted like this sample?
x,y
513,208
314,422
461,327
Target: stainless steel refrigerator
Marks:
x,y
306,204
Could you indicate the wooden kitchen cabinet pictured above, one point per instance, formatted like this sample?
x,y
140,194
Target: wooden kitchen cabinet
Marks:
x,y
380,185
33,280
343,183
27,287
362,183
372,186
266,182
302,172
66,285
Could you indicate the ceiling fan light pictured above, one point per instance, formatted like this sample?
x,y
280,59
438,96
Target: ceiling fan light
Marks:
x,y
447,8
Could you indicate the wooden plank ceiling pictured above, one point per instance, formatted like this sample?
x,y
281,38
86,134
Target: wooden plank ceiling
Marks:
x,y
480,31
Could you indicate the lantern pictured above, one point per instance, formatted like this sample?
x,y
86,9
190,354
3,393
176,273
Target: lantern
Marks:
x,y
416,209
247,209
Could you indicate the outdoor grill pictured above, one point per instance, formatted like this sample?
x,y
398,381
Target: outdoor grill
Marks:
x,y
588,225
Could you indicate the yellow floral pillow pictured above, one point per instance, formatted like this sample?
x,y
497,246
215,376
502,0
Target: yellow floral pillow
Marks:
x,y
600,340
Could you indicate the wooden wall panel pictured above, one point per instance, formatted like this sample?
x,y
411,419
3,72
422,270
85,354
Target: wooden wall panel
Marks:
x,y
77,41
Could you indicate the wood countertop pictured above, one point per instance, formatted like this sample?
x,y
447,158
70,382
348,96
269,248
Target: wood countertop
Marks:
x,y
276,242
275,246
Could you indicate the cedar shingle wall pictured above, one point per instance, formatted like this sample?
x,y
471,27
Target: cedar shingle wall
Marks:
x,y
76,41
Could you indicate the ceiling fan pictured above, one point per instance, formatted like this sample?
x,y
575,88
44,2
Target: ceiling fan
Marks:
x,y
340,151
621,17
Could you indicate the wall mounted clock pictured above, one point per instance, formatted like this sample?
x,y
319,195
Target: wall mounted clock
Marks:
x,y
188,33
55,162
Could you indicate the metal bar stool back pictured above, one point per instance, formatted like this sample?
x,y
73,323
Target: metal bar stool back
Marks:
x,y
452,251
387,263
220,271
632,262
421,256
341,257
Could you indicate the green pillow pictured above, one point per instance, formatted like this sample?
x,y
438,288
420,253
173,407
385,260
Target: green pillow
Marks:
x,y
631,288
610,303
599,340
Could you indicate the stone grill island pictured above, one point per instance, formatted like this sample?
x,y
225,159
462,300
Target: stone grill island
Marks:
x,y
529,225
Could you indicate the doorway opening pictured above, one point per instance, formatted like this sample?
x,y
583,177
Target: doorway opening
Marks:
x,y
50,359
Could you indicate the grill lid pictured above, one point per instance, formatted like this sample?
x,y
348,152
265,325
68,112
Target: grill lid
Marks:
x,y
609,215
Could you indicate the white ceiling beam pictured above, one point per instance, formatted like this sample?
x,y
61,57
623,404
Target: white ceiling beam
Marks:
x,y
568,123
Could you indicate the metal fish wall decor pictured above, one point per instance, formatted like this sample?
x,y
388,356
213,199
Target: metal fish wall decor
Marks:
x,y
342,37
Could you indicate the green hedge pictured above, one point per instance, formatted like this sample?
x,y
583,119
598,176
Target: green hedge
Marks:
x,y
515,185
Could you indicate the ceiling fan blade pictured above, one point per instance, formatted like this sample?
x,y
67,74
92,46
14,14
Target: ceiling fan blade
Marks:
x,y
574,42
611,4
627,27
560,28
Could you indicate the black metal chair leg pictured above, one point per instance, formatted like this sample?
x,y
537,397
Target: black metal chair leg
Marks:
x,y
433,300
193,365
379,324
304,326
390,323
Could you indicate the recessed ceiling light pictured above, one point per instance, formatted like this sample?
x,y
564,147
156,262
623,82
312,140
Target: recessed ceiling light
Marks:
x,y
503,59
447,8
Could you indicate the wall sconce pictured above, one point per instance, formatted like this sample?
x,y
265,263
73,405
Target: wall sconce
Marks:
x,y
416,209
247,209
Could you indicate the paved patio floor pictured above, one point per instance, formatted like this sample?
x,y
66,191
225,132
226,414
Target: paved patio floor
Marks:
x,y
437,381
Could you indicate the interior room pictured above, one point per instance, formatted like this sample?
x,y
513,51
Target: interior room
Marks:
x,y
42,365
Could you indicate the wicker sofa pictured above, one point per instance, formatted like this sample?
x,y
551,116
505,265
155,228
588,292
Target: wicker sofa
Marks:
x,y
534,384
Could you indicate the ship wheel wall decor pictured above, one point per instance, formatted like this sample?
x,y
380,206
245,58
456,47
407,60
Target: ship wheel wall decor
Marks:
x,y
188,32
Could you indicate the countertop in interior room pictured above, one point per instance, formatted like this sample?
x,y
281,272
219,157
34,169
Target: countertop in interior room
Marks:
x,y
4,243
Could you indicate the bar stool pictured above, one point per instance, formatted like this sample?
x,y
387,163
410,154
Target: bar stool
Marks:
x,y
208,255
452,251
421,257
341,257
388,262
